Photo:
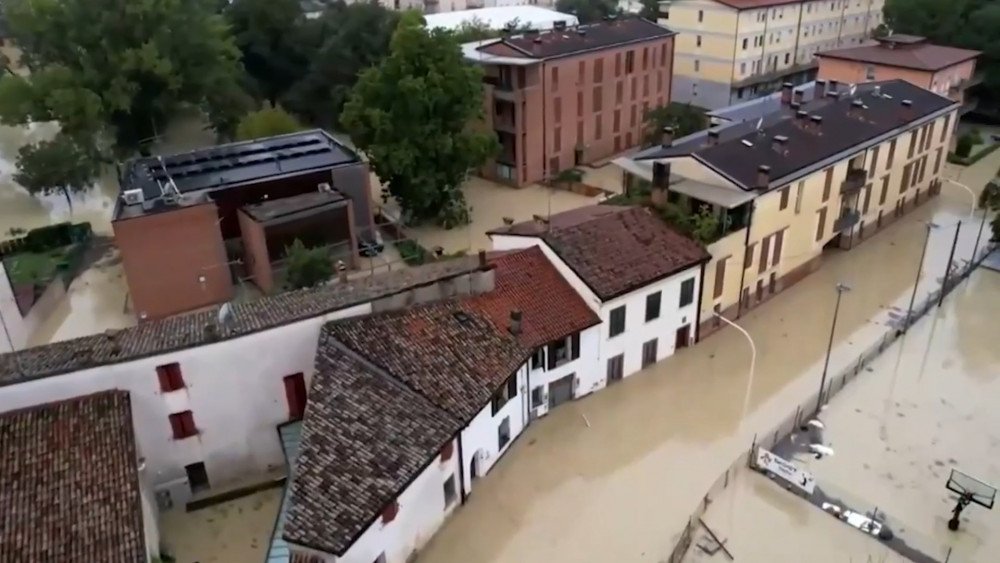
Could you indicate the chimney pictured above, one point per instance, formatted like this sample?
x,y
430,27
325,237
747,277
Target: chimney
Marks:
x,y
802,118
482,259
797,96
713,137
667,137
536,46
779,143
796,106
819,90
515,322
816,121
559,25
786,93
661,183
832,87
763,176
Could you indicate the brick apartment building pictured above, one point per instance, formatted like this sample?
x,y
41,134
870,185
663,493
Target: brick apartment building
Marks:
x,y
571,96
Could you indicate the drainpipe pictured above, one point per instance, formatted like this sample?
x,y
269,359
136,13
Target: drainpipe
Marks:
x,y
746,248
732,73
461,469
798,33
697,313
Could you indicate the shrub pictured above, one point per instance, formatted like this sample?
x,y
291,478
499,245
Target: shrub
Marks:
x,y
306,266
964,145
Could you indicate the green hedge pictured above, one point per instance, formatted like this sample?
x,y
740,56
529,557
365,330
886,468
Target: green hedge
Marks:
x,y
412,253
970,160
55,236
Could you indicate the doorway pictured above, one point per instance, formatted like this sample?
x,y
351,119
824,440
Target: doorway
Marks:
x,y
683,337
561,391
197,477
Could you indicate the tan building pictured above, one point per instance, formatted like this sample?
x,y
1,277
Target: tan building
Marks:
x,y
828,173
571,96
732,50
948,71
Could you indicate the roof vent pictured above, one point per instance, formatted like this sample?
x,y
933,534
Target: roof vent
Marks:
x,y
538,41
818,120
858,104
582,32
907,103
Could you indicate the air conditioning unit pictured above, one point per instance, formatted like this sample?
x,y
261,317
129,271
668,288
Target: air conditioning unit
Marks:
x,y
132,197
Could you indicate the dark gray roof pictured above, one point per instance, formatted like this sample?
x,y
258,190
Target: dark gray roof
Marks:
x,y
844,127
449,352
235,164
186,331
365,437
580,39
286,208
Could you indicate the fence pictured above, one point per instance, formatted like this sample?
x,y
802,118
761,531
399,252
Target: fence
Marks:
x,y
808,407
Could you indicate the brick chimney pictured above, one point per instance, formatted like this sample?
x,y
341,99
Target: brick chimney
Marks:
x,y
779,143
713,137
797,96
515,322
819,90
763,176
786,93
667,137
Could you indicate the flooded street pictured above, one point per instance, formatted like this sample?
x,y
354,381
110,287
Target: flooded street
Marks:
x,y
623,488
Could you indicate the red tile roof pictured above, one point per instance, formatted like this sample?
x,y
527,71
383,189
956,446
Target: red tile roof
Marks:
x,y
614,249
904,54
69,484
550,308
754,4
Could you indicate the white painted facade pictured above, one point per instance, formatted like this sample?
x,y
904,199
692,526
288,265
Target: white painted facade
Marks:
x,y
585,370
480,438
237,438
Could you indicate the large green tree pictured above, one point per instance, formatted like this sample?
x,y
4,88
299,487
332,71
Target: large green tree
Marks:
x,y
269,35
266,122
120,69
416,116
57,166
588,11
684,118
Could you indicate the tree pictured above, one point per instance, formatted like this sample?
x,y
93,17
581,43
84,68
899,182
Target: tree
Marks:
x,y
569,177
266,122
416,116
122,67
650,9
60,165
588,11
964,145
346,39
478,30
268,34
306,267
684,118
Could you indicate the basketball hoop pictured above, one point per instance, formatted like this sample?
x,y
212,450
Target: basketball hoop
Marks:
x,y
969,490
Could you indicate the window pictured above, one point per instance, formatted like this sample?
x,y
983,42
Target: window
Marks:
x,y
663,54
765,253
579,104
555,78
447,451
557,109
564,350
798,196
913,144
788,57
697,65
779,239
197,477
687,292
645,58
885,190
619,92
557,142
579,134
635,88
503,433
597,127
295,395
649,353
869,72
390,512
629,62
537,396
170,377
505,393
653,306
554,165
182,425
720,277
906,178
820,224
616,121
450,493
598,101
701,16
617,321
538,359
616,368
930,136
631,118
868,199
599,71
892,153
745,41
618,65
743,68
783,204
581,72
645,83
827,183
944,130
874,167
748,255
937,161
697,41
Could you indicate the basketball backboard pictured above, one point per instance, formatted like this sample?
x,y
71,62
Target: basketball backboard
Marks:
x,y
969,487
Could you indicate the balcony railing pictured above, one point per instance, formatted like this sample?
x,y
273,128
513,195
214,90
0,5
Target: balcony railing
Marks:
x,y
847,219
854,181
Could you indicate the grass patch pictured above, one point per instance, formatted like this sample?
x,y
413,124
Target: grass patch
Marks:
x,y
36,268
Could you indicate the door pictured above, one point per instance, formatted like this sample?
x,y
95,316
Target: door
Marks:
x,y
649,353
197,477
561,391
295,395
616,369
683,337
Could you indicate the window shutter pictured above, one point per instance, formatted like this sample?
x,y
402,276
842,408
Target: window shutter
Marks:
x,y
575,346
552,356
390,512
187,424
164,376
512,387
176,426
447,450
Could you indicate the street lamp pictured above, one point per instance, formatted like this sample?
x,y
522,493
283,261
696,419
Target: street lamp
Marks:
x,y
841,288
753,362
920,267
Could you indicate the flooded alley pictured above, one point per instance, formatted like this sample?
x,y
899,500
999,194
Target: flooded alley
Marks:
x,y
622,487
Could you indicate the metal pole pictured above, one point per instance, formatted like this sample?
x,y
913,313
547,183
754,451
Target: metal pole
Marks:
x,y
979,236
753,362
841,288
916,282
947,269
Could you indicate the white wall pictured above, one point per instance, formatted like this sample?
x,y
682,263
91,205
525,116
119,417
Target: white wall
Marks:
x,y
480,437
638,331
16,333
589,376
234,389
150,521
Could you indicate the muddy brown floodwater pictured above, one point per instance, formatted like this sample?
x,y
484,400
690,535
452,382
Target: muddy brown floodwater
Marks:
x,y
622,488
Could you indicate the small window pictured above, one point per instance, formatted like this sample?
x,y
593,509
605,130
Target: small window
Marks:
x,y
698,41
503,433
687,292
798,196
869,72
617,321
390,512
745,41
537,396
649,353
170,377
538,359
783,204
555,78
450,492
629,62
182,425
447,451
197,477
653,306
697,65
616,368
701,16
504,394
564,350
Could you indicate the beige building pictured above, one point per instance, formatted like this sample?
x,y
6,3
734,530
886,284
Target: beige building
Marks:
x,y
732,50
823,174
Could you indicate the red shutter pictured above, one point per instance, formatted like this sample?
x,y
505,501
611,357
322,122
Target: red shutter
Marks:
x,y
295,395
164,376
170,377
182,425
390,512
177,426
447,450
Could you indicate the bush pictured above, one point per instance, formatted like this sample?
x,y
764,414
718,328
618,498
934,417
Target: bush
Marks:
x,y
411,252
964,145
976,136
306,266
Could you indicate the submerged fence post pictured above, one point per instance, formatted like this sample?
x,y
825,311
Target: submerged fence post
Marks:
x,y
947,270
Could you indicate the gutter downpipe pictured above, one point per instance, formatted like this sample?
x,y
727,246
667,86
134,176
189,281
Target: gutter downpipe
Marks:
x,y
461,468
701,291
743,269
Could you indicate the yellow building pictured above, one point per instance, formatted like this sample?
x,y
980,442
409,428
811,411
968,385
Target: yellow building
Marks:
x,y
732,50
825,173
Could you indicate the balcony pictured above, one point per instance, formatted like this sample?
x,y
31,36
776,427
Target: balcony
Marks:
x,y
848,219
854,181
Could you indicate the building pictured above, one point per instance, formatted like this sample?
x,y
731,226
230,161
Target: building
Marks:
x,y
501,17
641,277
72,483
948,71
732,50
816,175
189,226
570,96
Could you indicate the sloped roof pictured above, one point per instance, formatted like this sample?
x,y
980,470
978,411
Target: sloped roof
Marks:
x,y
69,484
915,54
579,39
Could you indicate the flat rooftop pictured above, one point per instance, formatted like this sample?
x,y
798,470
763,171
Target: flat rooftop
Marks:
x,y
221,167
499,17
295,207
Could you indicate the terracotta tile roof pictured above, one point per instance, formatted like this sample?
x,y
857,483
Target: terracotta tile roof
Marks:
x,y
448,352
754,4
188,331
69,484
550,308
580,39
905,54
365,437
615,249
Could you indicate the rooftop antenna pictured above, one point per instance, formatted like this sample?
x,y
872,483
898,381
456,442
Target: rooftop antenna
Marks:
x,y
170,181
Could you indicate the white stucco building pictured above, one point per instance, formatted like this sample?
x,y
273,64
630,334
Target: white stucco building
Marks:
x,y
522,15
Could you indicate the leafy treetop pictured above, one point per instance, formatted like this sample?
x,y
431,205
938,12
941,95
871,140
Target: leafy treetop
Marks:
x,y
266,122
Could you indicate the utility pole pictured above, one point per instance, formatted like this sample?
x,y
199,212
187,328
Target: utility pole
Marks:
x,y
841,288
947,267
916,282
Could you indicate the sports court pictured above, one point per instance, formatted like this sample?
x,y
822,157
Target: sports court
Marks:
x,y
927,406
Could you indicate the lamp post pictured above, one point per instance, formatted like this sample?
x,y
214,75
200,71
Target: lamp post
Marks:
x,y
947,266
841,288
916,282
753,362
